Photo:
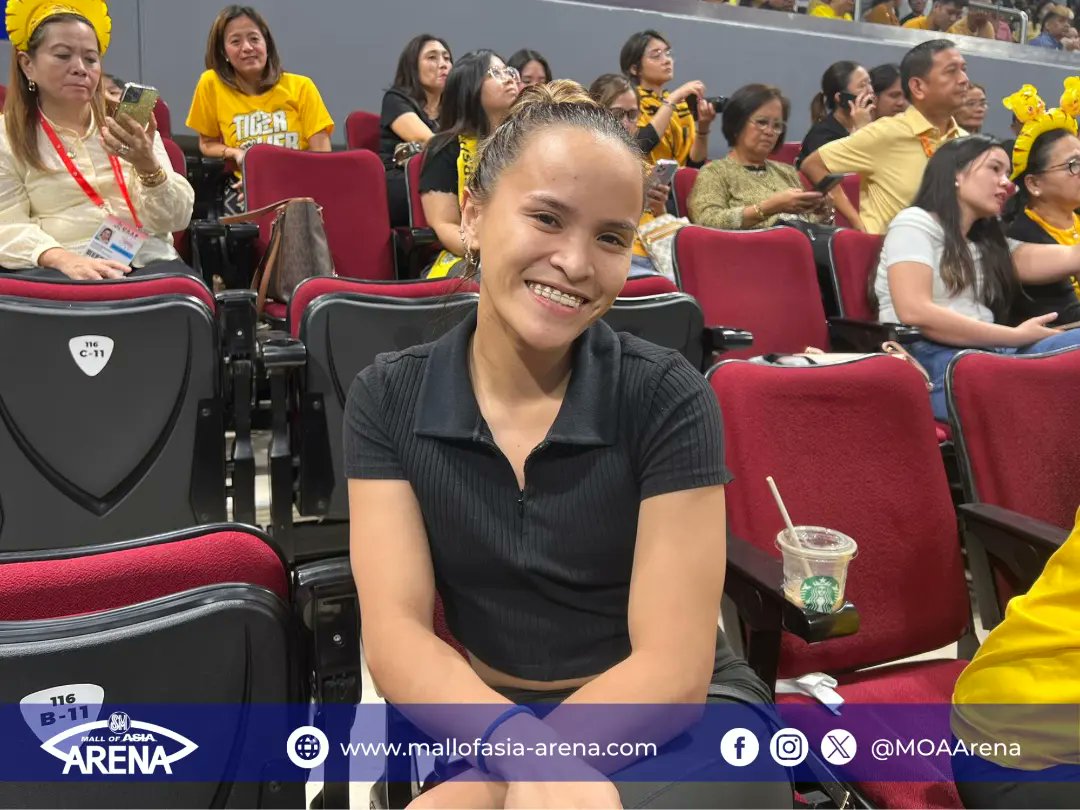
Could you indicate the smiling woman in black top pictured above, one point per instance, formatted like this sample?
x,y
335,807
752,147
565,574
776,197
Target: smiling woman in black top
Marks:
x,y
410,111
558,484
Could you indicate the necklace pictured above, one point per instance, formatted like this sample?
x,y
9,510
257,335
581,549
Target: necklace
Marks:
x,y
1063,236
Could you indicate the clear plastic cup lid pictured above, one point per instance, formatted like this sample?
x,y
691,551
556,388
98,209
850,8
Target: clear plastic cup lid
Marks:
x,y
817,542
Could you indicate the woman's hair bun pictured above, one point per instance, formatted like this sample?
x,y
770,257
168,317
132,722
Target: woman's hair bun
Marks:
x,y
560,91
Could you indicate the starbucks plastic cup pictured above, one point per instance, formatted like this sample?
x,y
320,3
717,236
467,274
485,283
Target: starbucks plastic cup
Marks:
x,y
815,567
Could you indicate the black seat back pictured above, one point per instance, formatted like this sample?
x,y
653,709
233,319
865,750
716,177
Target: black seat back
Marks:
x,y
671,320
110,420
343,333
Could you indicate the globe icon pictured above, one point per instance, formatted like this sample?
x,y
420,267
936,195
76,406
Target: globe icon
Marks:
x,y
307,747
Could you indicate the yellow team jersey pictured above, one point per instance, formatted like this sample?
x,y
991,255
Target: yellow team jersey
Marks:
x,y
287,114
678,138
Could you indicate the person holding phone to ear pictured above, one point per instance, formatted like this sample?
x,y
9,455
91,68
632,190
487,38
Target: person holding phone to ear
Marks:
x,y
845,104
746,189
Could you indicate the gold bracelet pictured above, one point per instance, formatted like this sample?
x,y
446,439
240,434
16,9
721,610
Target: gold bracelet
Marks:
x,y
759,212
154,178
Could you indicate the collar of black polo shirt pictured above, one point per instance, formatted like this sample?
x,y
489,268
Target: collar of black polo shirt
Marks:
x,y
589,414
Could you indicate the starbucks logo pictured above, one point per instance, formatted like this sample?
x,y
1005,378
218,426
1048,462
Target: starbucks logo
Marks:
x,y
819,593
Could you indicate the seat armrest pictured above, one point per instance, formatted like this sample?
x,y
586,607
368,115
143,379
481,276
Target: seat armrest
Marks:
x,y
755,584
1000,540
236,231
328,610
414,248
1002,530
420,237
279,351
726,338
237,320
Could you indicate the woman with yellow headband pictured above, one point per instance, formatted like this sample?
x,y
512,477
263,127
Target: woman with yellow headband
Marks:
x,y
66,169
1046,169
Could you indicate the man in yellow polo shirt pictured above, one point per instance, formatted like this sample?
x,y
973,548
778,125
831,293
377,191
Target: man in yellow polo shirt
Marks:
x,y
943,15
890,154
1023,688
977,23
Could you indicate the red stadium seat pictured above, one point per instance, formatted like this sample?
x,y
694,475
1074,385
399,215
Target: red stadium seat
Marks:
x,y
850,185
787,153
163,118
205,614
852,449
362,130
413,167
682,186
1013,417
853,258
761,281
181,239
351,188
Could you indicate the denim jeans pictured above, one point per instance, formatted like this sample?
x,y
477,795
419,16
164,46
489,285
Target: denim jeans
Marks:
x,y
935,359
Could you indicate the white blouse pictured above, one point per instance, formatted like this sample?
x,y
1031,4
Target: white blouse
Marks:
x,y
40,210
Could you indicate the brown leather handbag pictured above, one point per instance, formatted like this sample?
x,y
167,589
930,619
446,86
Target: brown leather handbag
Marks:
x,y
297,248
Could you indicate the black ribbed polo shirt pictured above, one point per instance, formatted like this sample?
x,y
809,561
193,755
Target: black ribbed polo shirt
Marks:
x,y
536,582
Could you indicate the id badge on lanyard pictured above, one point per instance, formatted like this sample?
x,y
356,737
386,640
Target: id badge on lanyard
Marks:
x,y
115,239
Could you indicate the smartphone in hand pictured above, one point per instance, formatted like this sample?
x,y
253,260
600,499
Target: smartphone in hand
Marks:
x,y
846,99
138,101
663,173
828,183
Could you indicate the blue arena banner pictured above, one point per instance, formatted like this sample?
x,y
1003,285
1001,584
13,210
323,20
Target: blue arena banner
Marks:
x,y
719,742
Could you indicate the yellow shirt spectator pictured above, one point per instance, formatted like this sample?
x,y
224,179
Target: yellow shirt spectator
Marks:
x,y
889,155
882,14
287,114
1029,663
826,11
678,138
922,23
984,31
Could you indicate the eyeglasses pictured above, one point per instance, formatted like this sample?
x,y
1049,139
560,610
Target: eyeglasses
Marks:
x,y
975,104
659,53
502,74
630,116
765,125
1072,166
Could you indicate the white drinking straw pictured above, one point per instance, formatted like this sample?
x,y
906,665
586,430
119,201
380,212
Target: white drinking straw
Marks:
x,y
787,520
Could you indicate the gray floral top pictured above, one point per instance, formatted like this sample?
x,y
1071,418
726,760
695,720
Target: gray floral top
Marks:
x,y
725,187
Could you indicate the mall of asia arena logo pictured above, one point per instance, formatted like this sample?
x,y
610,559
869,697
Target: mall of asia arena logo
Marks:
x,y
119,746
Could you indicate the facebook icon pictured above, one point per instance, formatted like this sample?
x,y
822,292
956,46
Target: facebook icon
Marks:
x,y
739,747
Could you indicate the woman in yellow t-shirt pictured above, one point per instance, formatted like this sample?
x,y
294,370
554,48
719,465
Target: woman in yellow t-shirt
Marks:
x,y
646,61
244,98
1016,707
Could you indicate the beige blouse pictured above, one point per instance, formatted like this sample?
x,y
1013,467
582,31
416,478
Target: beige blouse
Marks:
x,y
40,210
725,187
